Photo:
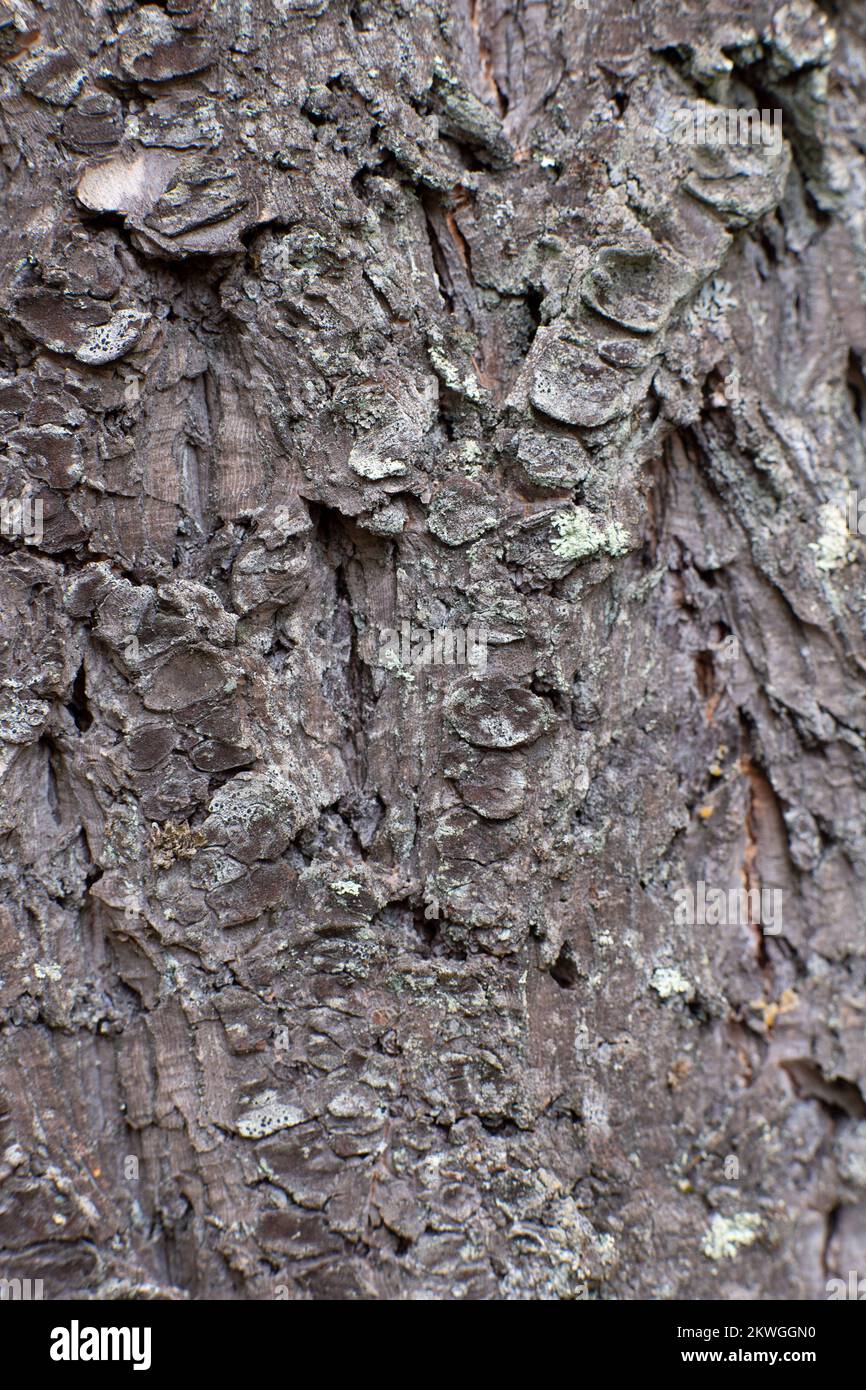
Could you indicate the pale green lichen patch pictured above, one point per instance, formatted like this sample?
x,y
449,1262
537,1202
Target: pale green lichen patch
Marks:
x,y
373,466
730,1234
449,374
346,885
579,536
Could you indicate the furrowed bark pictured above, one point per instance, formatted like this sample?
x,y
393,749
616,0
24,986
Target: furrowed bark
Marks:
x,y
328,971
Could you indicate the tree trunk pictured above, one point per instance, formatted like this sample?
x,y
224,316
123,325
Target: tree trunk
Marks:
x,y
433,781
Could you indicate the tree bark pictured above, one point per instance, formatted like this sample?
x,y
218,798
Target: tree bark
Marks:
x,y
329,970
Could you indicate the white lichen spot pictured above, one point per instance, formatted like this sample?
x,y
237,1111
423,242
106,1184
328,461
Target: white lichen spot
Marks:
x,y
268,1117
667,981
730,1234
108,341
831,547
21,716
51,970
355,1102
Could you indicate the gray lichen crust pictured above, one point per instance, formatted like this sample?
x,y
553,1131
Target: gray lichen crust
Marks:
x,y
352,974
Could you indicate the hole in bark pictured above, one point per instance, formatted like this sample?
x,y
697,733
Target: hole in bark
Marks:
x,y
533,300
426,927
385,168
698,1010
53,762
856,385
831,1225
358,17
839,1095
765,242
470,157
564,969
440,264
705,674
78,706
652,405
498,1124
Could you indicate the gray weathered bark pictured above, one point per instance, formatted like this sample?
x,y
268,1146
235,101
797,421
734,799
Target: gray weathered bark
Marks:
x,y
327,974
